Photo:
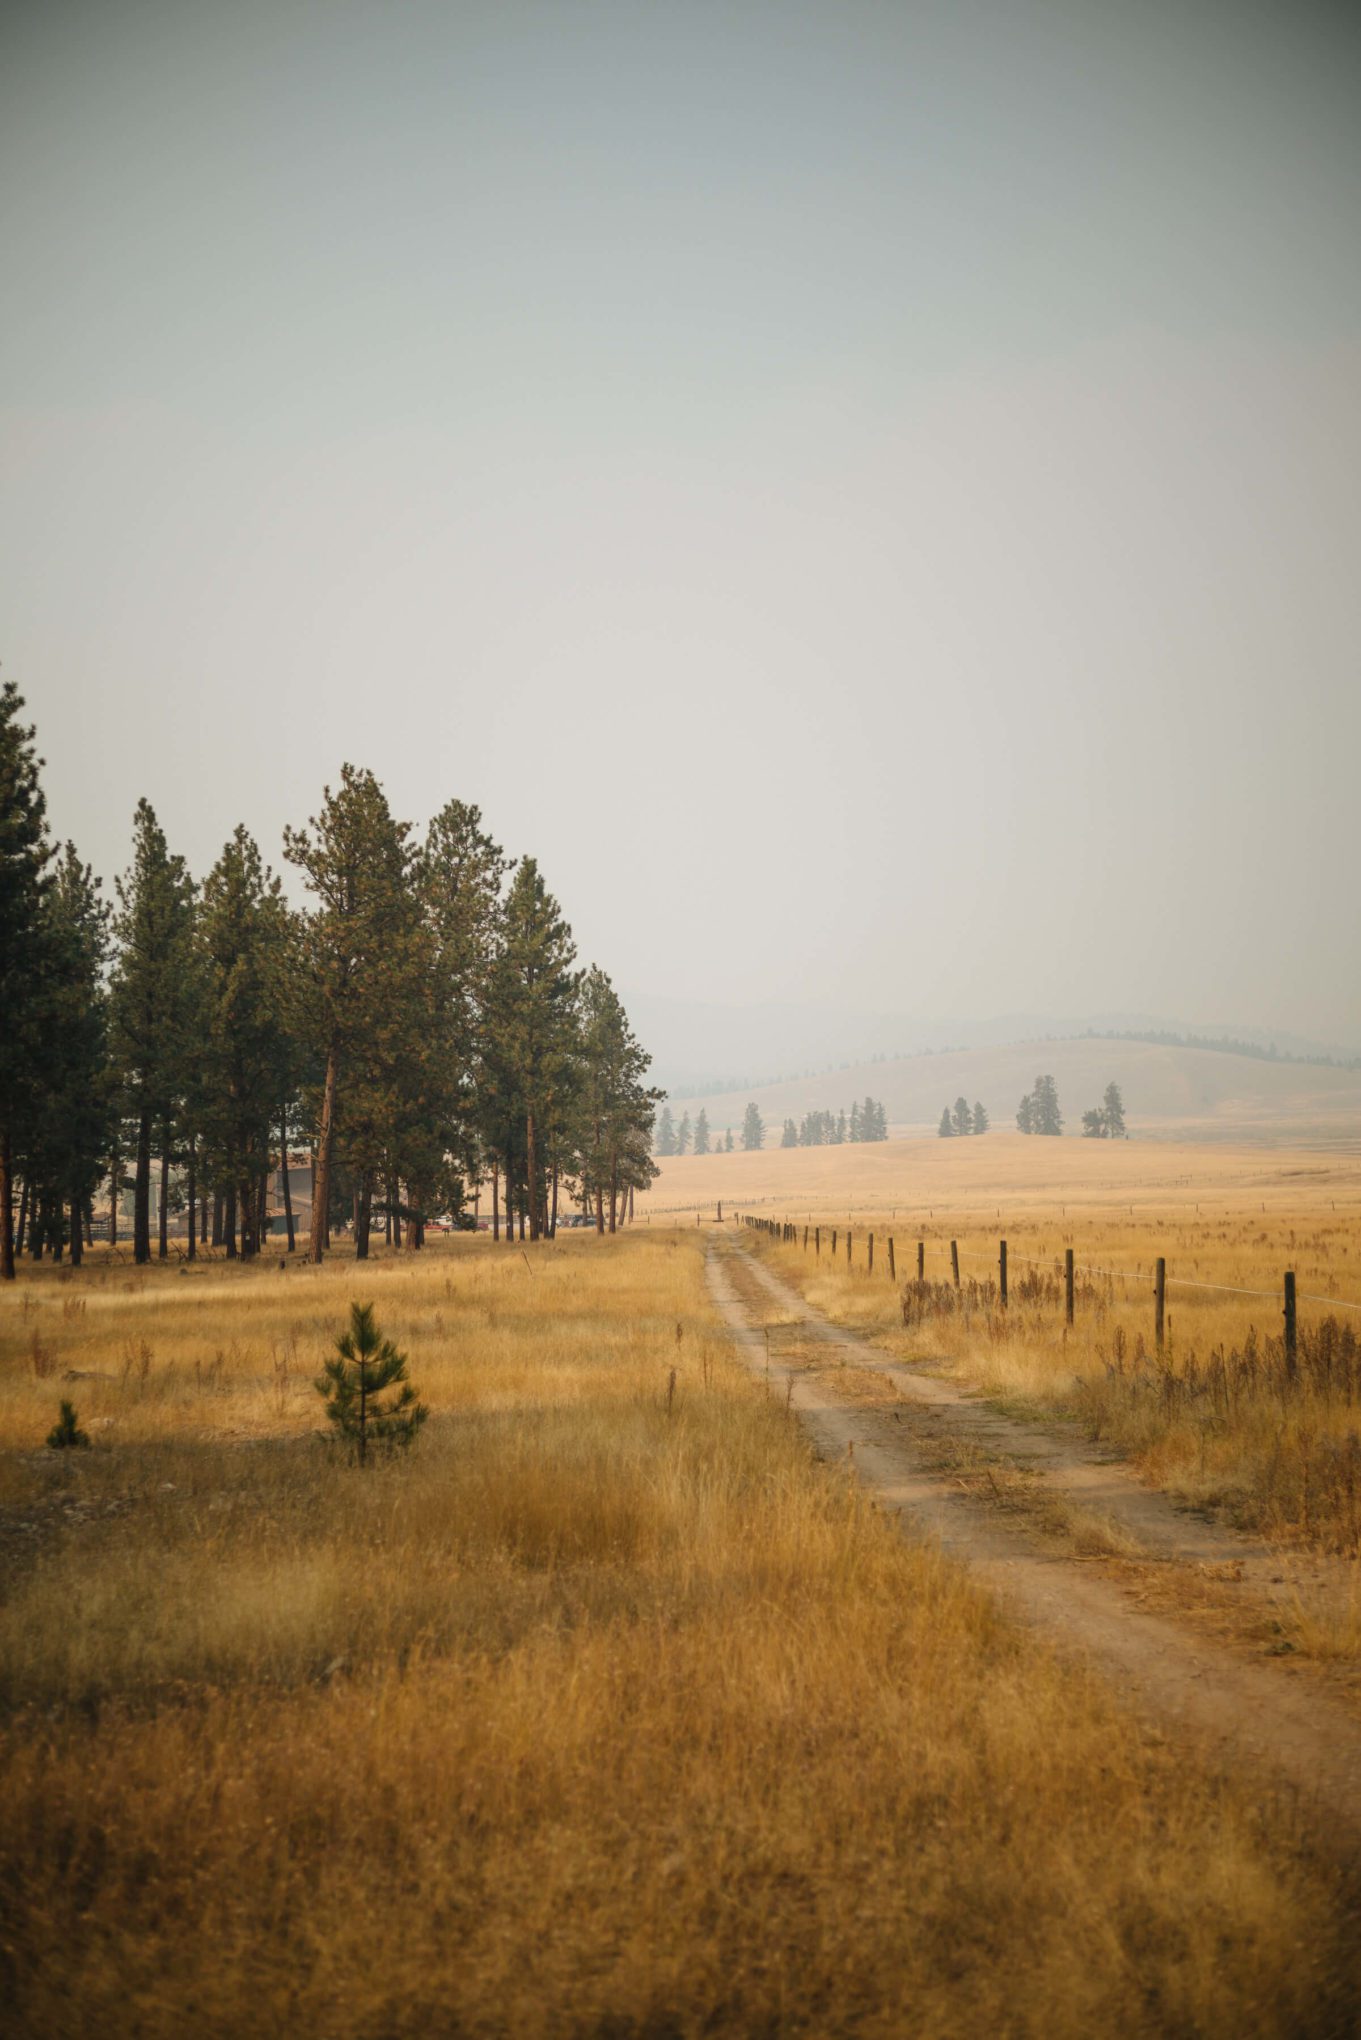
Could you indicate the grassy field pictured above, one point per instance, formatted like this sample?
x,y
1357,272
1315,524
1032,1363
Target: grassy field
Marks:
x,y
1219,1416
608,1710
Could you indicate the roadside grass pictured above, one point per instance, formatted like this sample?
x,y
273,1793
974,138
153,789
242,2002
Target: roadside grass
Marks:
x,y
1220,1417
607,1710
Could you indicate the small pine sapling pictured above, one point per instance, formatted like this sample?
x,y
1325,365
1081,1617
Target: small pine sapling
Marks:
x,y
354,1382
66,1434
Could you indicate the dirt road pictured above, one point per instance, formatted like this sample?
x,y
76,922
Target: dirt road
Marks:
x,y
1264,1712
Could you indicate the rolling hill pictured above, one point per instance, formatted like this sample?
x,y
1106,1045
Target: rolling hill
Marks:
x,y
1169,1092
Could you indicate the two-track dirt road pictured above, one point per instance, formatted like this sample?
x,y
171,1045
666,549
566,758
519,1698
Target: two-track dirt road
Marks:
x,y
1266,1713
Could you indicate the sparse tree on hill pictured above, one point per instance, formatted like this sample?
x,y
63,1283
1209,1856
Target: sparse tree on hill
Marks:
x,y
683,1135
753,1129
728,1142
855,1129
981,1121
1025,1114
702,1132
947,1125
962,1116
839,1131
1048,1118
790,1135
1114,1108
1094,1124
664,1137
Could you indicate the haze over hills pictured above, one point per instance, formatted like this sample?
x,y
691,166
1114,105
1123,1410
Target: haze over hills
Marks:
x,y
1170,1092
700,1049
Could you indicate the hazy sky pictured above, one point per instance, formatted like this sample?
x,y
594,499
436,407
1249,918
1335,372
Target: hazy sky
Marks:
x,y
869,494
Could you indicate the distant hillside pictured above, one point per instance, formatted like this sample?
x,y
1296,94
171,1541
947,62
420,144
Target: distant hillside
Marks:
x,y
1170,1091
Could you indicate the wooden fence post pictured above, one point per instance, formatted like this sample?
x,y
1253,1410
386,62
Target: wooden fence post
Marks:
x,y
1068,1284
921,1260
817,1242
954,1261
1002,1270
892,1268
1291,1328
848,1246
833,1242
870,1268
1159,1301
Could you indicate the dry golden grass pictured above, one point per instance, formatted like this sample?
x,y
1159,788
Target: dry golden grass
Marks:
x,y
1284,1458
589,1717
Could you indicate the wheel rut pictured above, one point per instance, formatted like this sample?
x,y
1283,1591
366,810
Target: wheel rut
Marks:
x,y
1261,1713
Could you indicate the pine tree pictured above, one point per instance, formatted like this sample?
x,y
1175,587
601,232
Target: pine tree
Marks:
x,y
616,1107
702,1132
664,1138
1025,1114
683,1135
357,950
153,928
838,1132
534,1018
1094,1124
364,1368
1113,1106
963,1118
1048,1118
73,1131
753,1129
856,1129
728,1142
244,963
24,882
789,1137
981,1121
947,1125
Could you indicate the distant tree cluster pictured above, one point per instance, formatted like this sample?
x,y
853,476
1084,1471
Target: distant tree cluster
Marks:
x,y
1038,1111
1106,1121
867,1121
958,1120
420,1027
669,1139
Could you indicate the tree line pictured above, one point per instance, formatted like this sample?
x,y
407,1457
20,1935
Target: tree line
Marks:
x,y
956,1123
868,1121
421,1026
670,1139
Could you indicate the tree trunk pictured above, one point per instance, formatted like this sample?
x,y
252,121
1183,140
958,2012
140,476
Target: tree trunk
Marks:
x,y
283,1176
631,1203
77,1233
321,1196
115,1164
203,1222
229,1222
6,1208
614,1188
363,1206
163,1214
395,1207
553,1210
191,1194
141,1194
532,1176
495,1198
600,1207
219,1217
18,1245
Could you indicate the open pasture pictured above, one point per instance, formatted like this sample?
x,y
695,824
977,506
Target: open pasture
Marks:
x,y
608,1709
